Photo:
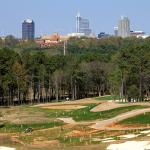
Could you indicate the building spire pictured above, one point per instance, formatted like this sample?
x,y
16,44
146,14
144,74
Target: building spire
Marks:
x,y
78,14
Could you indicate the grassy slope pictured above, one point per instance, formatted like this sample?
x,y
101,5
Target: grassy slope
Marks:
x,y
43,121
11,128
143,119
84,114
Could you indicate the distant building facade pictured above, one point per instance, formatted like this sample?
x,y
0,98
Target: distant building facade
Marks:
x,y
115,31
103,35
124,27
82,25
51,40
28,29
78,35
137,33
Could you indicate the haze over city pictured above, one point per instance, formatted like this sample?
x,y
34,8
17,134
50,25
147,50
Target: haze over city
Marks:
x,y
59,16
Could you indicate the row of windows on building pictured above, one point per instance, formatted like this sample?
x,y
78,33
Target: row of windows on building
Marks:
x,y
28,29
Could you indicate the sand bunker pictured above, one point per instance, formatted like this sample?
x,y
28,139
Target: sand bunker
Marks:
x,y
130,145
75,102
67,120
109,141
113,105
145,132
64,107
129,136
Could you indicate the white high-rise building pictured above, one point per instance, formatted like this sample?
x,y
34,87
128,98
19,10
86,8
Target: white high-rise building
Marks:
x,y
116,31
124,27
82,25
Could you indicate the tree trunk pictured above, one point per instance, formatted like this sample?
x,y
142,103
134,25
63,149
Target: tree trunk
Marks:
x,y
122,88
39,91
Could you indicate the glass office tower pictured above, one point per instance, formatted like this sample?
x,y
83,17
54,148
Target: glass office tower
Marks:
x,y
28,29
82,25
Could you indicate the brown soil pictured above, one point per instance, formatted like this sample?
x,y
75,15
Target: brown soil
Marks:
x,y
104,124
64,107
42,144
77,102
17,115
108,105
76,133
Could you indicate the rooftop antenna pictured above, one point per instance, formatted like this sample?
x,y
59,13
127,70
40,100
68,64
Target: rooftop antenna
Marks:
x,y
77,21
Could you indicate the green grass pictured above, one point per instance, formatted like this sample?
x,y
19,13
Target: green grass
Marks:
x,y
108,97
70,140
11,128
84,114
77,141
142,119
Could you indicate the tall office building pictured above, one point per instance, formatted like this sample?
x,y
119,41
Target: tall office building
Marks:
x,y
124,27
28,29
116,31
82,25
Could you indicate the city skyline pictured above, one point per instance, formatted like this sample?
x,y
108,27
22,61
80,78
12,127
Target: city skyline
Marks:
x,y
103,15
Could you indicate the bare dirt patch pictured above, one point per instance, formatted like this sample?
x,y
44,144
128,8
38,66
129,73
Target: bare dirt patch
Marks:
x,y
104,124
41,144
64,107
108,105
76,133
77,102
19,115
67,120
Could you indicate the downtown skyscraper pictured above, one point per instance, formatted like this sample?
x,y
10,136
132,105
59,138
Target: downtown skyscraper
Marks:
x,y
82,25
124,27
28,29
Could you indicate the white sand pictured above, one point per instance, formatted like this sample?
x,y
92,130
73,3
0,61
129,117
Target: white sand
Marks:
x,y
67,120
147,147
130,145
6,148
145,132
128,136
96,140
108,141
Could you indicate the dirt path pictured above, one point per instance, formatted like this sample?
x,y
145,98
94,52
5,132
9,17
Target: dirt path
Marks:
x,y
68,120
103,106
108,105
102,125
106,124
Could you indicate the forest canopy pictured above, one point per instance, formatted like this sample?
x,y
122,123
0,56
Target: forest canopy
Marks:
x,y
91,67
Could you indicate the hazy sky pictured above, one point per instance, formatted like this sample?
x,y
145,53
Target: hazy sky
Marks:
x,y
59,15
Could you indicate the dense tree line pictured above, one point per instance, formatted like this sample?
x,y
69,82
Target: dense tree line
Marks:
x,y
92,67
